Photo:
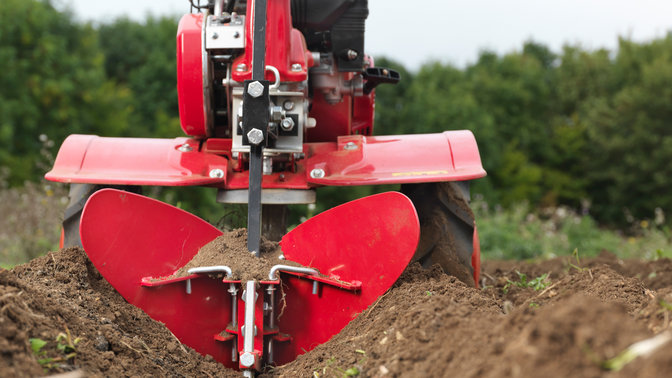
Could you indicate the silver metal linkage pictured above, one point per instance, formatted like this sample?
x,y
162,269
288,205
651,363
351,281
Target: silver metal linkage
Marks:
x,y
234,319
271,319
247,359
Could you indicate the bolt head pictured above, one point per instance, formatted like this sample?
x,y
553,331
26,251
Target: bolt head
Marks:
x,y
242,67
317,173
216,173
215,35
255,136
184,148
236,35
296,67
352,54
287,124
350,146
288,105
247,359
255,89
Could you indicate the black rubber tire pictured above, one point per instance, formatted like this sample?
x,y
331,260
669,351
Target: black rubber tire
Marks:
x,y
79,194
446,227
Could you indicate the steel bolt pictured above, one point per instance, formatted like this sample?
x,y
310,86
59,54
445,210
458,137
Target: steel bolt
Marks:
x,y
350,146
317,173
296,67
287,124
242,67
255,136
352,54
276,113
184,148
215,35
216,173
288,105
255,89
247,359
236,35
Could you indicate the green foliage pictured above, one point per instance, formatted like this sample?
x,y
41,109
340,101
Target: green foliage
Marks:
x,y
519,233
53,84
36,345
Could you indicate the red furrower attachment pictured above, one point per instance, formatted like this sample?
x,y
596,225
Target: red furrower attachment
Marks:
x,y
355,252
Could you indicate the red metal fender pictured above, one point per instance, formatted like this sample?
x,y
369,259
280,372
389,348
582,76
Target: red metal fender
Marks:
x,y
362,160
352,160
135,161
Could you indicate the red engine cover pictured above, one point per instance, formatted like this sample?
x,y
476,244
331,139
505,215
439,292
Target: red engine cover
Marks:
x,y
190,89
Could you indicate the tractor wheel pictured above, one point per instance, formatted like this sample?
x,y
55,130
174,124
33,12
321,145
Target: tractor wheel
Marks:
x,y
446,228
79,194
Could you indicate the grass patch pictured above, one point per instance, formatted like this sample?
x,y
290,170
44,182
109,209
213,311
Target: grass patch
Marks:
x,y
31,221
518,233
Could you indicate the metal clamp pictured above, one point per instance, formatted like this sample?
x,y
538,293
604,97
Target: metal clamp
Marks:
x,y
276,83
206,270
295,269
289,268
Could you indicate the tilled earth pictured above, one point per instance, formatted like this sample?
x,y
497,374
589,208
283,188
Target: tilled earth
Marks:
x,y
429,324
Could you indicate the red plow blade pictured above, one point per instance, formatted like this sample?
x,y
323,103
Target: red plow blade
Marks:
x,y
359,248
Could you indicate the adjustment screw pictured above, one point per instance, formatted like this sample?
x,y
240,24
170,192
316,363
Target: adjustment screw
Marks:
x,y
296,67
216,173
255,136
351,54
317,173
287,124
255,89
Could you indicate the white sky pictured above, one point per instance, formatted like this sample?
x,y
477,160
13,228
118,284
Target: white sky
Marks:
x,y
454,31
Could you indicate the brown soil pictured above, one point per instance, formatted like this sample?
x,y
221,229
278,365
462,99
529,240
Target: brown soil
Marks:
x,y
230,249
428,324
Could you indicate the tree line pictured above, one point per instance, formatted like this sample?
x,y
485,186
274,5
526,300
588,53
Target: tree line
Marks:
x,y
587,128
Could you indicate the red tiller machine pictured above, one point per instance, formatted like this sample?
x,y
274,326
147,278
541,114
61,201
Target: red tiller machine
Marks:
x,y
277,99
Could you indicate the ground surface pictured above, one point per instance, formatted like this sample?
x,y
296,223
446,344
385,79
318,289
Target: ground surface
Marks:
x,y
428,324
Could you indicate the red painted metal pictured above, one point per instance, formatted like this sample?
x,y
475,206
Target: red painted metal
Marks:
x,y
285,45
128,237
190,91
361,248
449,156
134,161
370,240
452,155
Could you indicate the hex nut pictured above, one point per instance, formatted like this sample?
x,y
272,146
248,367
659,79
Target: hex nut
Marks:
x,y
255,89
287,124
247,359
255,136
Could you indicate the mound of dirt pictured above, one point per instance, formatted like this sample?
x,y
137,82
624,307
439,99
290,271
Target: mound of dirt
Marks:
x,y
230,249
427,324
63,293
